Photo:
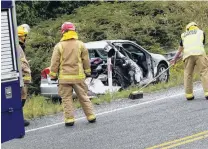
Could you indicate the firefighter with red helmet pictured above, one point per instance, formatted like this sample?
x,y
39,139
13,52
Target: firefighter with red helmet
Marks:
x,y
70,64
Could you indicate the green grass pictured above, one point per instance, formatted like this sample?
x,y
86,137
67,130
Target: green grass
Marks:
x,y
38,106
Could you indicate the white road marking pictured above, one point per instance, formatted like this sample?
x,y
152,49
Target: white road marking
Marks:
x,y
106,112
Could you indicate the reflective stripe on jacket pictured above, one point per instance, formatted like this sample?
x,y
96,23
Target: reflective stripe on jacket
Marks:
x,y
193,43
70,61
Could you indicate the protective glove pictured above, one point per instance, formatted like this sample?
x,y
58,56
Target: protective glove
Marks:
x,y
173,62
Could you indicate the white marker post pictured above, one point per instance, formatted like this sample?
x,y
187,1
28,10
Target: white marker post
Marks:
x,y
110,80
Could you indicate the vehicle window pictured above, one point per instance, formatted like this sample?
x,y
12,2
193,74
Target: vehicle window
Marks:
x,y
91,53
121,50
131,48
103,53
97,53
136,53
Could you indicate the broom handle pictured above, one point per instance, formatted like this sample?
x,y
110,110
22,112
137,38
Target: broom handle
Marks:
x,y
156,77
159,74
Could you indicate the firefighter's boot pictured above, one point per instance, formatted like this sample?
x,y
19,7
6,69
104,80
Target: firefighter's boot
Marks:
x,y
69,121
91,118
190,98
26,123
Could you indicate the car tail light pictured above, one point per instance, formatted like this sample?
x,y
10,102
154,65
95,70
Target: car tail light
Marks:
x,y
44,73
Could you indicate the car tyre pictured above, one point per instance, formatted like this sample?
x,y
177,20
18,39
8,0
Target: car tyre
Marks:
x,y
164,77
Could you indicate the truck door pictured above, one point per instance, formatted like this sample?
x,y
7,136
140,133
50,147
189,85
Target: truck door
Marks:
x,y
12,124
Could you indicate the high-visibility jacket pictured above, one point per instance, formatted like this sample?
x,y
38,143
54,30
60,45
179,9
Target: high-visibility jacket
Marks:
x,y
26,72
70,61
193,43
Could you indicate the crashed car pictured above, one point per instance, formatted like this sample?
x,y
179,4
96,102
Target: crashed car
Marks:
x,y
150,65
125,71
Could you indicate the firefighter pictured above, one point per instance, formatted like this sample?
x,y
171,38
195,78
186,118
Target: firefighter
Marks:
x,y
70,65
192,46
26,72
22,34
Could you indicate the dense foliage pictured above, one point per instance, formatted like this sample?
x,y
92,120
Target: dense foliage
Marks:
x,y
33,12
154,25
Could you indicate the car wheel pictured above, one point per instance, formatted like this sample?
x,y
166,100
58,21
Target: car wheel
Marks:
x,y
165,76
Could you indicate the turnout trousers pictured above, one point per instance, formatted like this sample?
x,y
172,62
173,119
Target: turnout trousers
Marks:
x,y
66,93
201,63
24,90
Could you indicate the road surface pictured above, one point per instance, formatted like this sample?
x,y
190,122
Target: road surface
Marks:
x,y
160,120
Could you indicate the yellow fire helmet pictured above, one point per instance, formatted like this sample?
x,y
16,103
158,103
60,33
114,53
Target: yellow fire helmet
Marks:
x,y
190,24
26,26
23,30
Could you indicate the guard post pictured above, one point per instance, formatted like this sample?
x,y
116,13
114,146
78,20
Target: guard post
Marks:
x,y
110,79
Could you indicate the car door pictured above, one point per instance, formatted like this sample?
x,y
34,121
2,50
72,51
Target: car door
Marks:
x,y
140,56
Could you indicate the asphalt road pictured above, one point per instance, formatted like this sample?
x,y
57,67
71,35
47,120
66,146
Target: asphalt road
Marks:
x,y
160,120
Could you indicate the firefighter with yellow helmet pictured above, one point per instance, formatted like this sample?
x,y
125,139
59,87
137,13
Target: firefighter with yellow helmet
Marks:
x,y
70,65
23,30
192,46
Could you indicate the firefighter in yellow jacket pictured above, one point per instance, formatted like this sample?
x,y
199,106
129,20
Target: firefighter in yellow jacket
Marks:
x,y
70,64
192,46
26,72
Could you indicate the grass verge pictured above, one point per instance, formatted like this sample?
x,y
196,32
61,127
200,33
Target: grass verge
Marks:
x,y
38,106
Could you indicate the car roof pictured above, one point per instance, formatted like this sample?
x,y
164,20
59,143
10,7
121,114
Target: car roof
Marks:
x,y
101,44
